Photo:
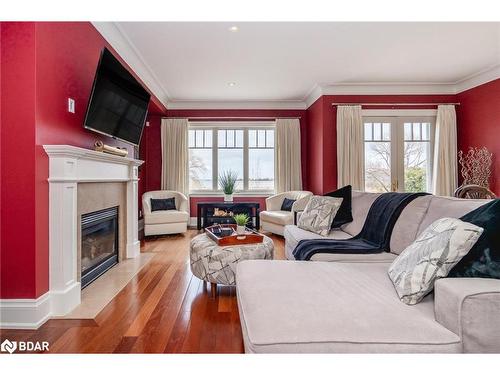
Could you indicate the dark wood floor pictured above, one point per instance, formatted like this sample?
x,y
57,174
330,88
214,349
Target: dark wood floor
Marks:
x,y
163,309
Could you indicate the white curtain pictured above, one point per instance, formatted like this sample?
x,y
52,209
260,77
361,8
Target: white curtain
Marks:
x,y
174,152
350,147
288,156
445,170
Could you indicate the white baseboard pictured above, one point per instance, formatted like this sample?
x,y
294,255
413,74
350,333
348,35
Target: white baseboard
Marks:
x,y
32,313
25,313
192,222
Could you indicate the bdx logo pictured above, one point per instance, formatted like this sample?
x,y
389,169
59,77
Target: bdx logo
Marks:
x,y
23,346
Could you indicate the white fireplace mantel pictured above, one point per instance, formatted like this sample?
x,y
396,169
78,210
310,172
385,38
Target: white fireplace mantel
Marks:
x,y
68,166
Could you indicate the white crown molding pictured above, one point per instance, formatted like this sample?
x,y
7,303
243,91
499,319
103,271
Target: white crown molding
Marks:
x,y
314,94
382,88
478,79
119,40
192,104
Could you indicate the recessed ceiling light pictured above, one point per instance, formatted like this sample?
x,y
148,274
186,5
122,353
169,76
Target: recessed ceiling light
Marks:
x,y
233,29
232,84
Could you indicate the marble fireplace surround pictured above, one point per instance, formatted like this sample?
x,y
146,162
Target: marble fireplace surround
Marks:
x,y
70,169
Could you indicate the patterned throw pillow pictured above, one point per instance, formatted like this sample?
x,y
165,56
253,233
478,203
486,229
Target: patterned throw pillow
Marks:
x,y
318,214
431,256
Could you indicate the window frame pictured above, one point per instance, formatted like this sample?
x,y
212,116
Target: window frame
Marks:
x,y
397,142
215,126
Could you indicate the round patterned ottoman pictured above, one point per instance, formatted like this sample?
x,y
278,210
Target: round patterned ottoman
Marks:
x,y
217,264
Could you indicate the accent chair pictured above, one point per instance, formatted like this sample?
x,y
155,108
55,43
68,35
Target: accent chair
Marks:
x,y
274,219
165,221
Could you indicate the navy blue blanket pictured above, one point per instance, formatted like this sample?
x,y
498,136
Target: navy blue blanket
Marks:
x,y
373,238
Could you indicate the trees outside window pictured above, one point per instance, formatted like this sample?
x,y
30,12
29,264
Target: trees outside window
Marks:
x,y
398,154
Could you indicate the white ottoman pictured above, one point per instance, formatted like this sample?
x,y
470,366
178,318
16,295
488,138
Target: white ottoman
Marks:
x,y
217,264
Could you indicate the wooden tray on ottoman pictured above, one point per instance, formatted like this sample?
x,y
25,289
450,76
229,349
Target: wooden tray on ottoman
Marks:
x,y
215,233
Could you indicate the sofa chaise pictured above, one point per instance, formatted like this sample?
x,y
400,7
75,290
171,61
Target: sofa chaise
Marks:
x,y
346,303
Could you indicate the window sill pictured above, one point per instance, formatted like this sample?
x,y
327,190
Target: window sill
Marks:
x,y
238,194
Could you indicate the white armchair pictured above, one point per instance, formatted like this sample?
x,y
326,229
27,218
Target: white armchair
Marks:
x,y
165,222
273,219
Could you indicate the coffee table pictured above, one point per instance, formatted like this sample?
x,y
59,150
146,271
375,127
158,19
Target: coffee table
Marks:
x,y
217,264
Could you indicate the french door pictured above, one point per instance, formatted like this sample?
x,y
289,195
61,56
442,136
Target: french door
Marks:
x,y
398,153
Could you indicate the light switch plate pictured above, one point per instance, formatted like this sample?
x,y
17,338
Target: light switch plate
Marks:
x,y
71,105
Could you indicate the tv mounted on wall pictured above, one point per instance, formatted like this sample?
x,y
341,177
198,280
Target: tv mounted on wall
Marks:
x,y
118,104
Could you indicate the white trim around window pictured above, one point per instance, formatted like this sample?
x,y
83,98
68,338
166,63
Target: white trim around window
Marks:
x,y
391,133
213,144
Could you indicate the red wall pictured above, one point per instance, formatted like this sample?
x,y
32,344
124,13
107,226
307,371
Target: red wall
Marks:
x,y
151,143
43,64
19,267
478,118
322,134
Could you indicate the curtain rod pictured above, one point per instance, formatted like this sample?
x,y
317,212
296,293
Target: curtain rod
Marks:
x,y
232,117
394,104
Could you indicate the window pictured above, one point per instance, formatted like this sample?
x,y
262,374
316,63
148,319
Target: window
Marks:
x,y
245,148
398,153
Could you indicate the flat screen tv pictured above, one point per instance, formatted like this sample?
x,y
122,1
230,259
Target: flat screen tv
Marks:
x,y
118,104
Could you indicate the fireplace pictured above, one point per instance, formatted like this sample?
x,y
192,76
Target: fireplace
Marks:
x,y
99,247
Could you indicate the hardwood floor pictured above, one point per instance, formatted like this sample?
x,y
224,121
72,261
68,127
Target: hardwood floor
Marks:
x,y
163,309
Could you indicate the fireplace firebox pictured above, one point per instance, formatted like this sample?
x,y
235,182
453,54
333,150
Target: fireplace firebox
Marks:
x,y
99,247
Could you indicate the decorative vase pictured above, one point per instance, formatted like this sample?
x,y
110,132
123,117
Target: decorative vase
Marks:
x,y
228,197
240,229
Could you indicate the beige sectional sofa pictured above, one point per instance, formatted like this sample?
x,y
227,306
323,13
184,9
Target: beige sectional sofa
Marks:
x,y
344,303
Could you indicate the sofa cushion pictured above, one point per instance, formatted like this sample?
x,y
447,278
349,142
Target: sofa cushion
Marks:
x,y
277,217
319,213
440,207
293,234
361,203
344,214
165,217
355,258
332,307
433,254
406,228
483,260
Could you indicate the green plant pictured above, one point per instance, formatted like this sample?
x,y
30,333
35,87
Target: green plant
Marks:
x,y
241,219
227,181
415,179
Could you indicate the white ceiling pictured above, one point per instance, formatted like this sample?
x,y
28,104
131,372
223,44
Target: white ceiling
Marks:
x,y
271,62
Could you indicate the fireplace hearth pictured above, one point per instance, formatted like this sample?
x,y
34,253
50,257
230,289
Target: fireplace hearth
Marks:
x,y
99,247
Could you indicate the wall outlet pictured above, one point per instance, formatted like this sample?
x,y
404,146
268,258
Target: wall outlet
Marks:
x,y
71,105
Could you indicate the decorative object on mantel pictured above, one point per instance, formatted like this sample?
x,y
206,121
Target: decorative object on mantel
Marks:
x,y
476,166
227,182
100,146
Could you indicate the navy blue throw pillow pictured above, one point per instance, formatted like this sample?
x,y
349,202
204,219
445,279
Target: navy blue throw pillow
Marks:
x,y
483,260
344,214
162,204
287,204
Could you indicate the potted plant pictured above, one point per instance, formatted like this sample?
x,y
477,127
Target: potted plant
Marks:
x,y
227,182
241,221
